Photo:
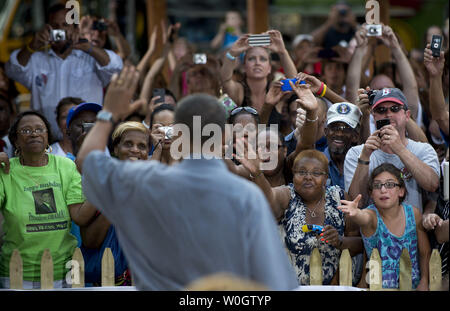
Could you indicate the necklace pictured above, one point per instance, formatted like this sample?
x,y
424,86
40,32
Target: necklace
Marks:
x,y
45,162
313,212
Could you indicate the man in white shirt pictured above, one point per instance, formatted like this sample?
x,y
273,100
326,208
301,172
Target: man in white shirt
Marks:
x,y
417,161
53,69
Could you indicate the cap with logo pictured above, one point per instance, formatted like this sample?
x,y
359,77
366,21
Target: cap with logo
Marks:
x,y
344,112
390,95
74,111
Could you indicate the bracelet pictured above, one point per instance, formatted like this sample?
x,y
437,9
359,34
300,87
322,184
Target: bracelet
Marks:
x,y
30,49
259,174
317,118
229,56
320,89
324,90
363,162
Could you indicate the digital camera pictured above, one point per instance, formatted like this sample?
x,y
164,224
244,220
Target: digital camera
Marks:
x,y
200,59
99,25
374,30
57,35
168,131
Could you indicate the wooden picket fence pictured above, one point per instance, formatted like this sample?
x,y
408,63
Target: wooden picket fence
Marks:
x,y
375,271
345,270
77,271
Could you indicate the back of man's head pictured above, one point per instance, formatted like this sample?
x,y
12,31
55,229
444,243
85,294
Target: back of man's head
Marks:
x,y
206,108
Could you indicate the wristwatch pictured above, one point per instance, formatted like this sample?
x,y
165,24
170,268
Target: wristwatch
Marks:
x,y
104,115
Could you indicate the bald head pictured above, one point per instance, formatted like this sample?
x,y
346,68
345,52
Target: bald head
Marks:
x,y
381,81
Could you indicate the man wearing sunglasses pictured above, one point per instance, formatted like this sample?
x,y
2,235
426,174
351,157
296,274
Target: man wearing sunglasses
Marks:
x,y
418,161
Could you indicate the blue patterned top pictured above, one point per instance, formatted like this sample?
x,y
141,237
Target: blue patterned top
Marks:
x,y
390,248
300,244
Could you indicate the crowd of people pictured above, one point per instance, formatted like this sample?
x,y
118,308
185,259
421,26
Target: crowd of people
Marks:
x,y
358,150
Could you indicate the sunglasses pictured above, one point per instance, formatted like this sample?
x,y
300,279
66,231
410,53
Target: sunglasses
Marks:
x,y
394,109
237,110
387,185
342,128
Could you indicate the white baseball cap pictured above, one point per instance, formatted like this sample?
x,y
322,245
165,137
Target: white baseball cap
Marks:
x,y
300,38
344,112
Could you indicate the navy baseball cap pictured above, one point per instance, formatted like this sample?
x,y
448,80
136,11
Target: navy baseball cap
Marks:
x,y
74,111
390,95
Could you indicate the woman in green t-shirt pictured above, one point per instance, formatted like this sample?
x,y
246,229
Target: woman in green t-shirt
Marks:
x,y
40,194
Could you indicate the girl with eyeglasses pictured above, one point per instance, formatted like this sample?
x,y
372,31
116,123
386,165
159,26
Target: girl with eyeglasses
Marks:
x,y
391,226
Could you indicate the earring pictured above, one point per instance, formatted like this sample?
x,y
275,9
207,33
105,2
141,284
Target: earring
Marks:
x,y
49,149
17,153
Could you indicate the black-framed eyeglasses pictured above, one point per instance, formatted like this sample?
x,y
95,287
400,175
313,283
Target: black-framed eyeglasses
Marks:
x,y
387,185
245,108
28,132
394,109
343,128
315,174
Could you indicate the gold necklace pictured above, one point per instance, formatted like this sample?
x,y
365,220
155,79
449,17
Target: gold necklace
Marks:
x,y
313,213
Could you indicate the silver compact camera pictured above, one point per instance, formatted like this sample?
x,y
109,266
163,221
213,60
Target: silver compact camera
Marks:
x,y
168,131
374,30
200,58
57,35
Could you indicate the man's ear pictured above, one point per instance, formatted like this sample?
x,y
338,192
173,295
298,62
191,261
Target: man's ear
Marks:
x,y
408,115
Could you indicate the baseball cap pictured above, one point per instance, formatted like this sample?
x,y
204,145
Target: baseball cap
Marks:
x,y
300,38
390,95
74,111
344,112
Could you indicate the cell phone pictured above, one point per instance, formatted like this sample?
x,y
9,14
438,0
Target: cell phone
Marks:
x,y
382,122
374,30
57,35
259,40
161,93
200,58
287,86
436,43
327,53
315,228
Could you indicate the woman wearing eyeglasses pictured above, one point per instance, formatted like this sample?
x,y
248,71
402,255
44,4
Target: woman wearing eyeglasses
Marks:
x,y
40,194
391,226
308,201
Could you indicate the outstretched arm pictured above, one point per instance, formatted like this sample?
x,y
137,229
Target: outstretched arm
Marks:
x,y
410,88
117,102
435,68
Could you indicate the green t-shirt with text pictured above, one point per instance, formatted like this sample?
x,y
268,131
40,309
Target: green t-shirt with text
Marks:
x,y
34,202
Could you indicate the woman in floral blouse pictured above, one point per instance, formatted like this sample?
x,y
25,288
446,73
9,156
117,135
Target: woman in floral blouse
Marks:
x,y
308,201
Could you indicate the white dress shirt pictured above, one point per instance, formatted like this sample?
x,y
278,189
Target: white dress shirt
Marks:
x,y
51,78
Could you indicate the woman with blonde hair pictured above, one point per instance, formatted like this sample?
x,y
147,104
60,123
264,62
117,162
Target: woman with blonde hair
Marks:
x,y
130,141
